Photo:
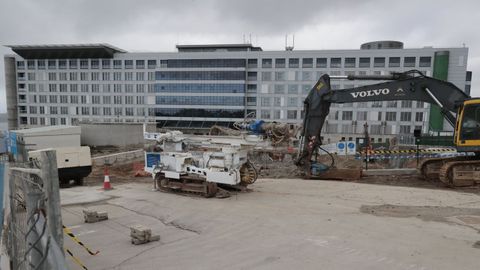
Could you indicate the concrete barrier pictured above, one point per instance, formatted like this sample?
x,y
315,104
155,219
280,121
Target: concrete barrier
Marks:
x,y
118,157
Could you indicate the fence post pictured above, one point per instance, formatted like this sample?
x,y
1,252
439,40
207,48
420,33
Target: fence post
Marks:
x,y
48,161
34,250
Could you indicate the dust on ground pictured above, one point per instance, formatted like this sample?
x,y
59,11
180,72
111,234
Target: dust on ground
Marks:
x,y
469,217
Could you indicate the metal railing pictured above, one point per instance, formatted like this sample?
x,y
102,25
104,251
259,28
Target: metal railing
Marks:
x,y
34,234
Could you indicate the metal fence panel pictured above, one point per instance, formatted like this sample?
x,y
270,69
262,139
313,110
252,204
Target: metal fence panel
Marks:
x,y
34,237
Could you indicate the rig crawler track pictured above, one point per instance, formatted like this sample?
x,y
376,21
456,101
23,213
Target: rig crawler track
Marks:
x,y
453,172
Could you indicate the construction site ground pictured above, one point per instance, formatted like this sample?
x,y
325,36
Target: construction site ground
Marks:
x,y
380,222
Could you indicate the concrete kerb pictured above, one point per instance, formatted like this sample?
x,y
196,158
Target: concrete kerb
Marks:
x,y
376,172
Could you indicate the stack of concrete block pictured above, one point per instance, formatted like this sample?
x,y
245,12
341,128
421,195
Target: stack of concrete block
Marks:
x,y
141,235
91,216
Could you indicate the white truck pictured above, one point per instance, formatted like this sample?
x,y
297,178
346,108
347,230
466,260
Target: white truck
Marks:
x,y
73,163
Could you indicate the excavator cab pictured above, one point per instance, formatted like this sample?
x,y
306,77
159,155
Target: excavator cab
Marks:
x,y
467,131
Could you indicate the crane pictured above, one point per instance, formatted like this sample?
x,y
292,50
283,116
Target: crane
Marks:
x,y
458,108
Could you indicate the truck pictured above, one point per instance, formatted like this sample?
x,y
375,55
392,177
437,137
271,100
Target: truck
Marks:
x,y
73,163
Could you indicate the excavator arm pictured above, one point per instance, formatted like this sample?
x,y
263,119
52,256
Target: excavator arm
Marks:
x,y
410,85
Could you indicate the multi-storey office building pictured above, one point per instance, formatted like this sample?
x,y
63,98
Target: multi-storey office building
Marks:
x,y
202,85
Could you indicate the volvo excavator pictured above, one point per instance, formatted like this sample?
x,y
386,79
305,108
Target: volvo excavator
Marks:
x,y
458,108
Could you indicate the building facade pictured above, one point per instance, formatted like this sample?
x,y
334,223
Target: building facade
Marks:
x,y
202,85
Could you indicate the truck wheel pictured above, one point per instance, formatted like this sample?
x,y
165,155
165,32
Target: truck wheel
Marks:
x,y
79,181
64,183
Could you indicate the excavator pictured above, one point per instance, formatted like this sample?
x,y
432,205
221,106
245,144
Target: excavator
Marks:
x,y
458,108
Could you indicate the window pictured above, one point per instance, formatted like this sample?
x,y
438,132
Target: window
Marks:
x,y
419,116
361,116
73,76
379,62
33,120
106,88
277,114
117,88
293,63
41,64
266,76
394,62
62,64
128,64
291,114
277,102
53,110
140,64
64,99
391,116
62,76
409,62
140,76
347,115
364,62
83,64
307,62
420,104
405,116
83,99
266,63
279,89
140,111
94,64
85,111
293,89
107,99
425,61
95,99
31,64
152,64
117,64
265,101
53,121
252,76
252,63
350,62
106,64
74,99
95,76
129,111
128,76
33,109
52,64
73,64
141,100
336,62
407,104
52,88
307,76
95,111
117,100
84,88
105,76
63,87
321,63
107,111
128,100
251,88
52,76
265,114
292,102
404,129
151,76
251,101
377,104
117,76
392,104
83,76
73,88
280,63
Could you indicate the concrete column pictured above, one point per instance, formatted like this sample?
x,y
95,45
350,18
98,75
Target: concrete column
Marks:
x,y
11,92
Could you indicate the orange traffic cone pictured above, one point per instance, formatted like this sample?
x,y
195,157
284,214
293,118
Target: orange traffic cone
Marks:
x,y
106,181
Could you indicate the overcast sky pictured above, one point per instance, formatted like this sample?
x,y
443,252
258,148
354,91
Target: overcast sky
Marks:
x,y
157,25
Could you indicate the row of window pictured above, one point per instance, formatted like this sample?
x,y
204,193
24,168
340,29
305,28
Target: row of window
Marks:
x,y
86,64
87,88
64,99
363,116
116,111
199,88
86,76
43,121
374,129
323,62
339,62
200,75
217,113
205,100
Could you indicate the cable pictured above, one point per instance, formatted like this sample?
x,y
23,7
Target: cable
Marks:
x,y
331,156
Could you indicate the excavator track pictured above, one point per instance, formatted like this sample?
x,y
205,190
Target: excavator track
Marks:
x,y
429,169
190,185
460,173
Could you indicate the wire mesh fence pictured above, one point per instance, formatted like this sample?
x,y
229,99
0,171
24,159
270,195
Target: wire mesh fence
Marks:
x,y
34,237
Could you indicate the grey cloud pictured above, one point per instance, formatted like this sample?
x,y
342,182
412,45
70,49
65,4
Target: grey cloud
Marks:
x,y
155,25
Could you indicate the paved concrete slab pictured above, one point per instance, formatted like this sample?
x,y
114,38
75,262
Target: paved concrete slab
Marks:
x,y
82,195
282,224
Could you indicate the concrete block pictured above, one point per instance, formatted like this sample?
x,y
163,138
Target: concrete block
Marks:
x,y
140,235
91,216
